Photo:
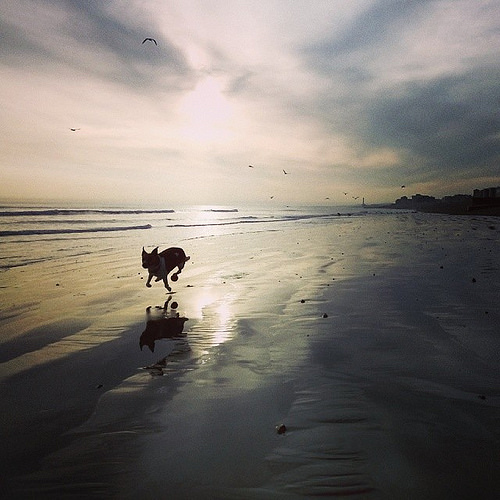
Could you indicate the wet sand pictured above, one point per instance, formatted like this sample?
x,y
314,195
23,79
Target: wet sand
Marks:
x,y
375,342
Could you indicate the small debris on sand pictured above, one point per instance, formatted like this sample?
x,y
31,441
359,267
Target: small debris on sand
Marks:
x,y
281,429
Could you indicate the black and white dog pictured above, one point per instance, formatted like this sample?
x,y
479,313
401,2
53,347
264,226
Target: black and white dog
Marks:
x,y
161,264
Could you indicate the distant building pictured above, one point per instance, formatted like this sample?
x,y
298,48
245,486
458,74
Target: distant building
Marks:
x,y
423,198
488,193
457,198
486,197
416,201
483,201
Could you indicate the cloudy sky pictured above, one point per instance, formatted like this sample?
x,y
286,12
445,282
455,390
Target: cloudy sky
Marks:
x,y
356,96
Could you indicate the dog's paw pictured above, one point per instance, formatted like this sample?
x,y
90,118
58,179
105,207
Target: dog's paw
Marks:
x,y
149,285
168,288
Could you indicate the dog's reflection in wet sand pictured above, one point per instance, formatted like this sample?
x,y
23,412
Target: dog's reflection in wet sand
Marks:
x,y
161,323
161,328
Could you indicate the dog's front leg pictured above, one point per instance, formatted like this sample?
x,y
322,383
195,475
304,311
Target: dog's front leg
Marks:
x,y
148,283
166,283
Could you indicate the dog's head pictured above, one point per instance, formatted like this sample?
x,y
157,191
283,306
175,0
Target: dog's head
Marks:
x,y
150,260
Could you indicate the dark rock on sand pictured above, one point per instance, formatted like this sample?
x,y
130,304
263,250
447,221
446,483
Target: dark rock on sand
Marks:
x,y
281,429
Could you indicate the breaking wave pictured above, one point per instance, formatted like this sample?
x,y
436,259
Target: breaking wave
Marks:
x,y
75,211
260,220
31,232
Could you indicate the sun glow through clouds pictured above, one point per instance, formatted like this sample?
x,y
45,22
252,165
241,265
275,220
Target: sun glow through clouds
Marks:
x,y
206,112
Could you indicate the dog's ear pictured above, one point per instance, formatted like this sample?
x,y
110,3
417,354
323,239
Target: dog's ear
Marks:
x,y
143,251
155,251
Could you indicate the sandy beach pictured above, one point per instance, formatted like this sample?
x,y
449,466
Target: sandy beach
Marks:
x,y
374,340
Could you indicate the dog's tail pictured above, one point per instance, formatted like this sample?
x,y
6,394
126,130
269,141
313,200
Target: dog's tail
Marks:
x,y
187,258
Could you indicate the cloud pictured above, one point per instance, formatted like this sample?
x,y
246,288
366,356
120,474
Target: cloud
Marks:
x,y
451,122
91,38
405,78
379,24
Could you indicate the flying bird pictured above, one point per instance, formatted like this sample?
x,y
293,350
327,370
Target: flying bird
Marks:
x,y
285,172
74,129
250,166
150,40
345,194
355,197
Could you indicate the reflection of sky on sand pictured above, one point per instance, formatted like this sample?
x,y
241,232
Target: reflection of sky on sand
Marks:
x,y
217,324
226,323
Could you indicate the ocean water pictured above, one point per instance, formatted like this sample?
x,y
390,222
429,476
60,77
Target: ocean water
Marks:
x,y
30,234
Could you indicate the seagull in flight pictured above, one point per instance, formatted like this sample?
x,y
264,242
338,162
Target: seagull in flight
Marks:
x,y
345,194
150,40
74,129
250,166
284,171
355,197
